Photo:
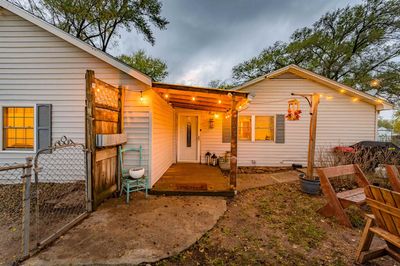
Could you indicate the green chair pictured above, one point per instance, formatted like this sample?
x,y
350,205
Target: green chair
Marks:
x,y
127,183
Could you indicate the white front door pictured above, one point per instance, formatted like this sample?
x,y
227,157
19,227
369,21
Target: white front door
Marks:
x,y
188,126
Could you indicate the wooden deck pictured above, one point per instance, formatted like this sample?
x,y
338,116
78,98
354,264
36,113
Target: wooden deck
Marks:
x,y
193,179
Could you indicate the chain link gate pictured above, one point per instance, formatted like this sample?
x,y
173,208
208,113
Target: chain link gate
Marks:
x,y
61,189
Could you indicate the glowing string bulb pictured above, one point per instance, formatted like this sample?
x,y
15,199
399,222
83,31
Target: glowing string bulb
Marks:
x,y
166,96
342,91
98,90
193,98
355,99
219,101
216,115
379,101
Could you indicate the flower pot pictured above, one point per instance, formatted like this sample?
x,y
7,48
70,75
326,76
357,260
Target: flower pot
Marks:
x,y
136,173
312,187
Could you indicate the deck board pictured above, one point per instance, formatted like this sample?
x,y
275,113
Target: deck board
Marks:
x,y
192,177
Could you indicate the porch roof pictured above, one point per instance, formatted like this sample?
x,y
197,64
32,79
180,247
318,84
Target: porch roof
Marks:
x,y
199,98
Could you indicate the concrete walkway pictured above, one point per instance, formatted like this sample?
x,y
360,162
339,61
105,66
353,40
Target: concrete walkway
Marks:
x,y
147,230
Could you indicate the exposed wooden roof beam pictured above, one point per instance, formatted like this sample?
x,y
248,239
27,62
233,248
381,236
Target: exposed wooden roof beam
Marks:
x,y
198,89
199,107
198,102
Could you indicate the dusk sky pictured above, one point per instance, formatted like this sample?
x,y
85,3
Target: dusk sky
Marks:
x,y
205,39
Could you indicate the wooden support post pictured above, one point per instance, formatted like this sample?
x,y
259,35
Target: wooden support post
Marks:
x,y
120,130
234,140
312,138
90,136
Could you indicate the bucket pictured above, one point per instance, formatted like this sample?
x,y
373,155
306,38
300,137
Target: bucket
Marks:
x,y
312,187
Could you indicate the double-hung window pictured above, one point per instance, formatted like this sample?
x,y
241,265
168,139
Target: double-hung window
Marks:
x,y
18,128
244,128
264,128
256,128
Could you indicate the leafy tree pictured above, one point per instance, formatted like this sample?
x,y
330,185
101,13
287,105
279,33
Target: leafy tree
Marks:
x,y
98,22
388,124
353,45
396,122
153,67
219,84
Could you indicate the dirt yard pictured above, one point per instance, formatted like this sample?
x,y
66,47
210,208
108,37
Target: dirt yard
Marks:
x,y
275,225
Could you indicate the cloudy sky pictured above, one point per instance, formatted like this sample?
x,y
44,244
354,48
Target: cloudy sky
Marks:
x,y
205,39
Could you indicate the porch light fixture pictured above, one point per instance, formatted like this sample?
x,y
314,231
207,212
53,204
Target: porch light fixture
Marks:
x,y
141,96
216,115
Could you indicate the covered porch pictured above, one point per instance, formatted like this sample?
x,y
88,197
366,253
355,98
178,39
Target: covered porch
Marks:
x,y
193,178
198,116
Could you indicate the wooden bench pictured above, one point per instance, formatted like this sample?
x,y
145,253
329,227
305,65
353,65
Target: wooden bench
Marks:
x,y
393,176
337,202
385,223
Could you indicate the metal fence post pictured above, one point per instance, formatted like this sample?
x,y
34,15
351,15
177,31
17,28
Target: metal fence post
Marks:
x,y
26,199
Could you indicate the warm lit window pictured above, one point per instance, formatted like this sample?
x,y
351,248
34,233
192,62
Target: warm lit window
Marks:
x,y
18,128
244,128
264,129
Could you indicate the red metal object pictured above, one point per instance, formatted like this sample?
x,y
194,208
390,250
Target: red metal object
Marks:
x,y
344,149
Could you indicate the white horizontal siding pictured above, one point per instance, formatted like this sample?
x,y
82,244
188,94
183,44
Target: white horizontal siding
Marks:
x,y
162,136
38,67
340,122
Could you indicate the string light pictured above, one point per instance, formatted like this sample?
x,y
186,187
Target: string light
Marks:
x,y
355,100
166,96
193,98
321,95
219,101
98,90
342,91
375,83
379,101
216,115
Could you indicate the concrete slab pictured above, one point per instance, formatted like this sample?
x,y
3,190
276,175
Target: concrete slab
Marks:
x,y
147,230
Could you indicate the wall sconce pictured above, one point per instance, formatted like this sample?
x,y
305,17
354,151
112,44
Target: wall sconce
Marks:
x,y
211,123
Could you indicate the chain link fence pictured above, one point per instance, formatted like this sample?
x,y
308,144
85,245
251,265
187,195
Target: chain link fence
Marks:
x,y
15,196
41,199
61,189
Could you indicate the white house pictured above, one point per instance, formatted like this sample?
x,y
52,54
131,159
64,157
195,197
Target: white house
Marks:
x,y
42,74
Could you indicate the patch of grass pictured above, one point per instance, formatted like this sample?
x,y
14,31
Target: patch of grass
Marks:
x,y
356,216
303,231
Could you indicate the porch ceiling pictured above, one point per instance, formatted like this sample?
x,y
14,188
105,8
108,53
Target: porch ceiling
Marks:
x,y
199,98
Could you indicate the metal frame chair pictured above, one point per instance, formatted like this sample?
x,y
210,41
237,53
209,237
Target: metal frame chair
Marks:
x,y
131,185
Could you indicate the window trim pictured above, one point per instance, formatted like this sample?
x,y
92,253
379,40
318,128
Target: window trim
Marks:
x,y
18,104
274,129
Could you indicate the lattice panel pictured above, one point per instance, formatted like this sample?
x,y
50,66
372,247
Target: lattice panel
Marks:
x,y
105,95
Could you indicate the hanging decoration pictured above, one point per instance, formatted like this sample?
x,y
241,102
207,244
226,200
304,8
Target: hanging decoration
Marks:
x,y
294,112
